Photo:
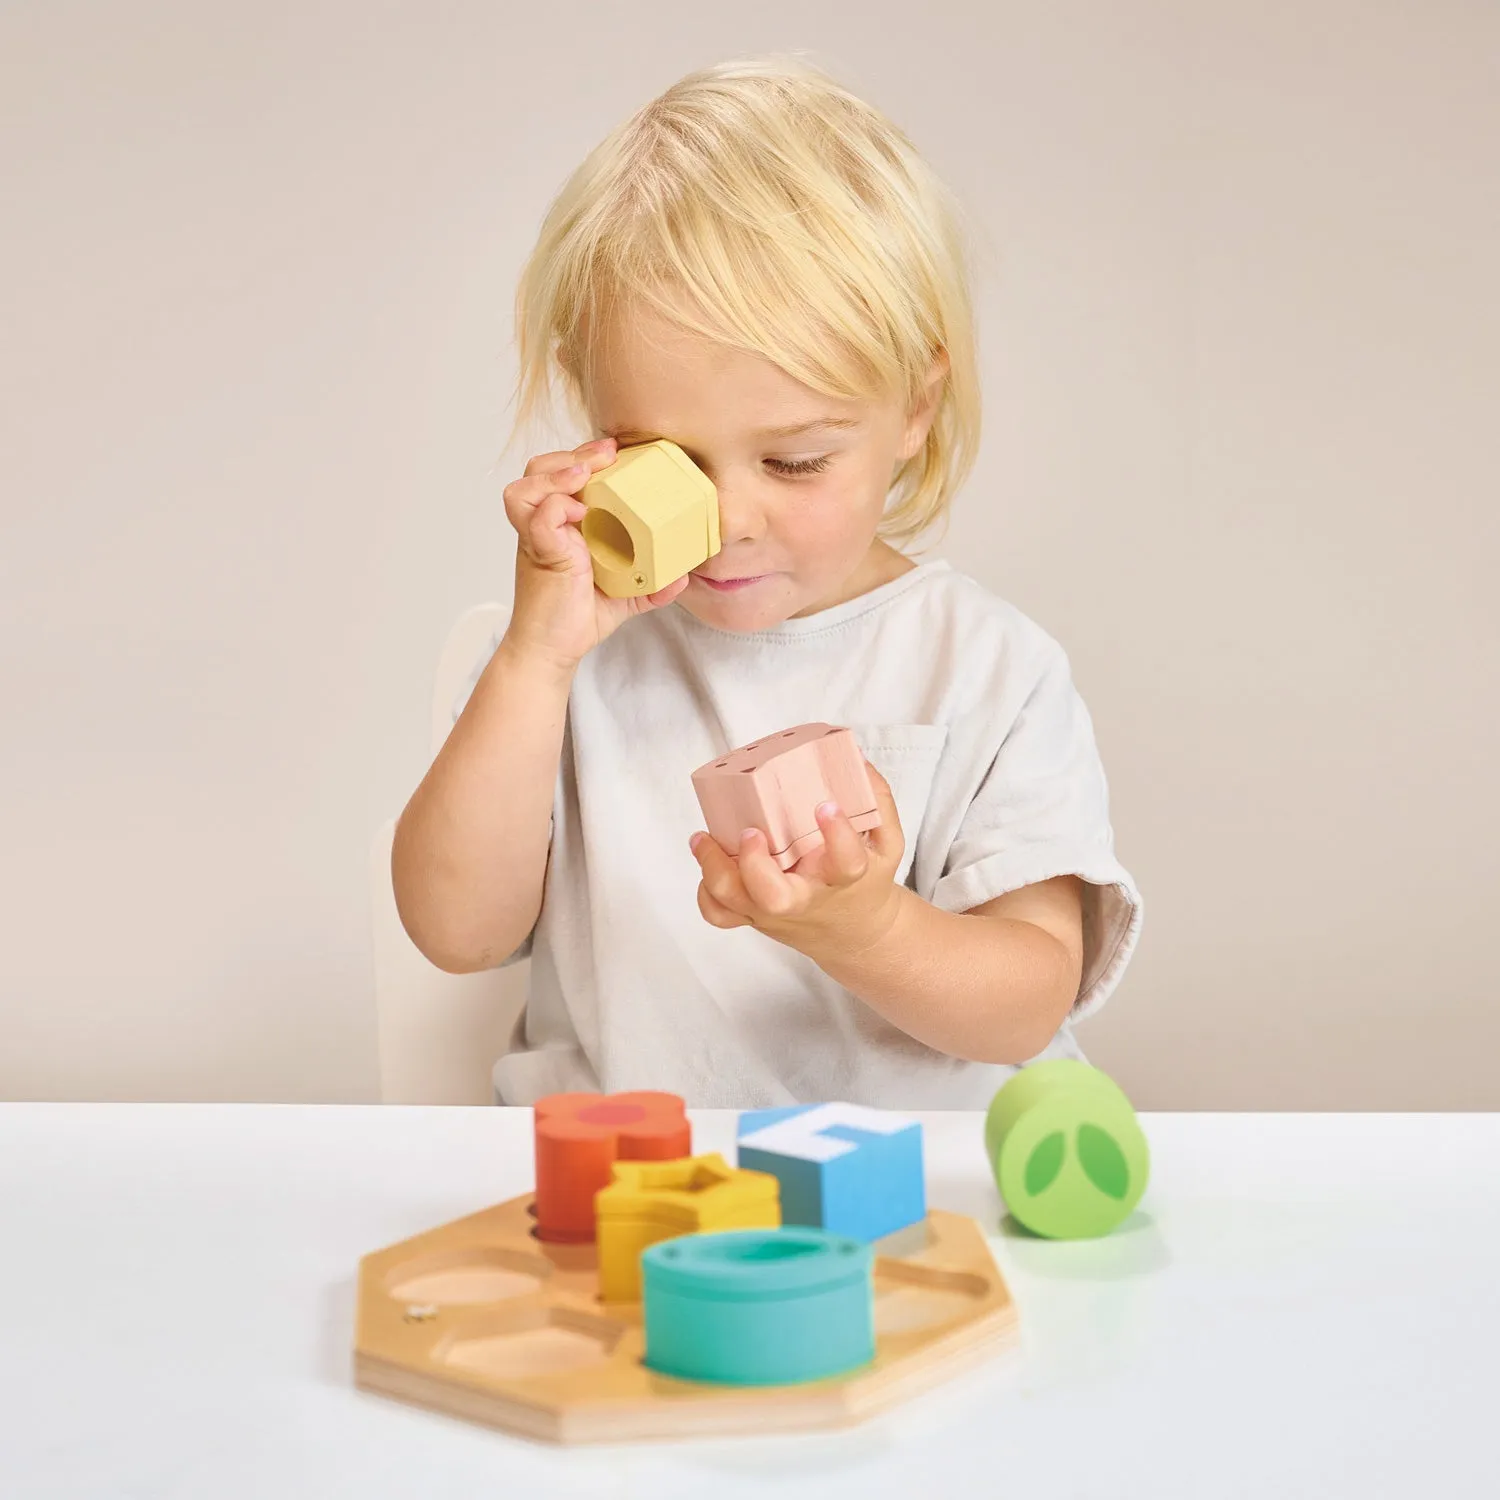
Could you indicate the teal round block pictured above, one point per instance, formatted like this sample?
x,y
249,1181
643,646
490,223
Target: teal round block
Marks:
x,y
758,1306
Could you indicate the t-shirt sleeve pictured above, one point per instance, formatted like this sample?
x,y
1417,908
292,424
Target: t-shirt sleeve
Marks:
x,y
459,704
1042,810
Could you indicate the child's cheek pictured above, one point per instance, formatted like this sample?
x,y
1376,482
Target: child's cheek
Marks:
x,y
833,519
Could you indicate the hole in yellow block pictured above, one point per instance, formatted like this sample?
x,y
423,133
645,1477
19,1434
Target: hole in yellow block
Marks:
x,y
607,538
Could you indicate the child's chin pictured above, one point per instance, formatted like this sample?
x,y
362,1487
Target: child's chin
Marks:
x,y
739,612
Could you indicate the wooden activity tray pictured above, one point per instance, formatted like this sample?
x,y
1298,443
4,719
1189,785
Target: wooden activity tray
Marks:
x,y
481,1320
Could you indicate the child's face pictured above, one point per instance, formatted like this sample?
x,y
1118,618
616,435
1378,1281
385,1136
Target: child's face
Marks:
x,y
807,540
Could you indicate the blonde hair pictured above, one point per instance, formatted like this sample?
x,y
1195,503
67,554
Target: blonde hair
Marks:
x,y
764,206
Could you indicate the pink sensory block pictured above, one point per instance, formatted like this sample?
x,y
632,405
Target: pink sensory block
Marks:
x,y
776,785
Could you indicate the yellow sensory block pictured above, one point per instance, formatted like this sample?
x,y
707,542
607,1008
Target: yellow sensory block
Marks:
x,y
653,515
659,1200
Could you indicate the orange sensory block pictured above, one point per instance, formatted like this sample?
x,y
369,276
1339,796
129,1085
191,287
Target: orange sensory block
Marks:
x,y
579,1137
776,784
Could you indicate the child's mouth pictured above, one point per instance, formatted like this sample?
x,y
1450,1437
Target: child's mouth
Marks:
x,y
729,585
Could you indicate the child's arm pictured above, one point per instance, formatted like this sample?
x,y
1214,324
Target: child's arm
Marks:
x,y
470,857
991,985
1026,919
470,853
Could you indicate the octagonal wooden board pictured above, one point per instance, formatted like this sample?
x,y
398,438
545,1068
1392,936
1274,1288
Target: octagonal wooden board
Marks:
x,y
481,1320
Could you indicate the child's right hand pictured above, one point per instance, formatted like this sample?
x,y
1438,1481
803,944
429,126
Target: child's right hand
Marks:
x,y
558,610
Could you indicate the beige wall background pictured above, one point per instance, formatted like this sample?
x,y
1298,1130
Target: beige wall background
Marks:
x,y
1241,366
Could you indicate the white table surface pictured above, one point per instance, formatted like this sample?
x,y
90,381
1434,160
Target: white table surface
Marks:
x,y
1303,1305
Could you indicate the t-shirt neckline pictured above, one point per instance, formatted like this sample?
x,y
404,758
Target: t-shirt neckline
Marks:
x,y
834,615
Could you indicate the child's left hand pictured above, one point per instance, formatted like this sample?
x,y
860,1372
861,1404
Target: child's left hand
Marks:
x,y
839,897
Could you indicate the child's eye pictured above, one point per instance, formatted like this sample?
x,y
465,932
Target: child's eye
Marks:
x,y
799,466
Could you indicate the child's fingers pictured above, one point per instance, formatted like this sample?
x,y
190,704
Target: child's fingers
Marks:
x,y
887,842
662,596
524,497
762,878
716,913
845,856
721,875
560,472
590,452
545,531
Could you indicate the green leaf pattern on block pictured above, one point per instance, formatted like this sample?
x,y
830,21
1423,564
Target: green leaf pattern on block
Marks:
x,y
1045,1163
1102,1161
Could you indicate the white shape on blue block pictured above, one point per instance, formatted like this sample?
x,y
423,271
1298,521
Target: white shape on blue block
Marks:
x,y
800,1133
845,1168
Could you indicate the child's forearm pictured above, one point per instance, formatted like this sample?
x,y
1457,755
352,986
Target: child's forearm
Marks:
x,y
986,988
470,853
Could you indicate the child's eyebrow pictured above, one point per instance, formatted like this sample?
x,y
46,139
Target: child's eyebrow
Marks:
x,y
635,435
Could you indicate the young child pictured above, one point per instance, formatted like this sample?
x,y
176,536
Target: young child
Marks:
x,y
759,267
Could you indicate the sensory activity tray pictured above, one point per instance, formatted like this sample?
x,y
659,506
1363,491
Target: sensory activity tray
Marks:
x,y
559,1313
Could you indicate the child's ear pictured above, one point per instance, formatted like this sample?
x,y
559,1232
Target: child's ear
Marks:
x,y
937,379
920,419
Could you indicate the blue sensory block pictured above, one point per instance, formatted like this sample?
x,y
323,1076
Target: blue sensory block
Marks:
x,y
842,1167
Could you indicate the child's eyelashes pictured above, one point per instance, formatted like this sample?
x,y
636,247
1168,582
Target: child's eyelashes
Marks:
x,y
790,468
799,465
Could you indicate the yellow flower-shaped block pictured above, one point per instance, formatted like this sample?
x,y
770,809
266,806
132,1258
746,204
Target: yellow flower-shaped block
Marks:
x,y
650,1201
653,515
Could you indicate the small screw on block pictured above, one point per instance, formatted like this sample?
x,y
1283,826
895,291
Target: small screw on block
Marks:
x,y
420,1312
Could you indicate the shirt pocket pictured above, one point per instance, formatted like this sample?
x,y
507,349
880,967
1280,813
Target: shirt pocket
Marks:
x,y
907,755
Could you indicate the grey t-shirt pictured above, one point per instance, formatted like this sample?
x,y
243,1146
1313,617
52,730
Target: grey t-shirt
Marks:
x,y
965,705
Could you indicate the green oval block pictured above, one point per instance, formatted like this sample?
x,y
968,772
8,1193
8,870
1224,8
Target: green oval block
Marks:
x,y
1067,1151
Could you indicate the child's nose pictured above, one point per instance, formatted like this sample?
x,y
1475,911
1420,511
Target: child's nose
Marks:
x,y
741,516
